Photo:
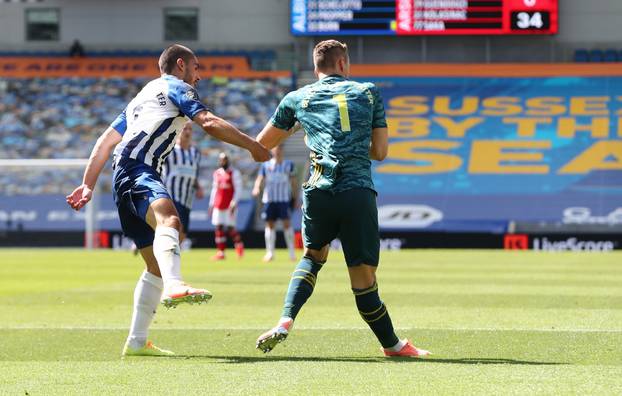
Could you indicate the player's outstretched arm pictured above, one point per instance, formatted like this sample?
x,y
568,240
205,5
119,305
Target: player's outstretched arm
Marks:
x,y
379,146
99,155
271,136
222,130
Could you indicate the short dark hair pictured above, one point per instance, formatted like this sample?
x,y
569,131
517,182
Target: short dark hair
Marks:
x,y
168,58
327,53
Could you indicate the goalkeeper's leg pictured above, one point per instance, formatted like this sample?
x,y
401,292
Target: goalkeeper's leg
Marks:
x,y
300,288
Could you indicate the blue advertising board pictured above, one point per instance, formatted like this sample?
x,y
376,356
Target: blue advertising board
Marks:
x,y
474,154
50,212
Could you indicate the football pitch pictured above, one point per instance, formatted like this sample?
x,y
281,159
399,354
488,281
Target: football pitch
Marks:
x,y
497,323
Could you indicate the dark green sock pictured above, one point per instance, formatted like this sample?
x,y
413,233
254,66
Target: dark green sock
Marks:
x,y
300,286
374,312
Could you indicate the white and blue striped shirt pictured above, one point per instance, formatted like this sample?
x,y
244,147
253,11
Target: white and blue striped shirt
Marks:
x,y
180,173
277,185
150,122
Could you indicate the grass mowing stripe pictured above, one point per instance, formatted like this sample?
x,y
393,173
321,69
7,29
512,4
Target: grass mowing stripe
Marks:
x,y
497,323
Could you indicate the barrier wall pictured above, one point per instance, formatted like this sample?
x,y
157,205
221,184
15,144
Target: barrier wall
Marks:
x,y
44,67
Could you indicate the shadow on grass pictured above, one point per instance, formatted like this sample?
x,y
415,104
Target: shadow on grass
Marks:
x,y
267,358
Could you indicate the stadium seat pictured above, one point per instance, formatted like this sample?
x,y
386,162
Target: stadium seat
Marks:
x,y
596,55
581,56
611,55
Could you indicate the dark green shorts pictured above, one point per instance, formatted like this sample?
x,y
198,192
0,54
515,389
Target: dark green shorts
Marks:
x,y
351,216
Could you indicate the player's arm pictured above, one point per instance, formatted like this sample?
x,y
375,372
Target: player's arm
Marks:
x,y
197,186
223,130
282,124
187,101
379,146
258,184
212,195
97,160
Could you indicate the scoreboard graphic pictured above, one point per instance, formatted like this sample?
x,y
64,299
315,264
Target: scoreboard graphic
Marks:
x,y
423,17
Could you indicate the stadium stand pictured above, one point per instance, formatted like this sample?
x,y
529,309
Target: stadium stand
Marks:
x,y
62,117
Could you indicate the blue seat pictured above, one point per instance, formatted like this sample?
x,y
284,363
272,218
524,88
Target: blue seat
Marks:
x,y
581,56
596,55
611,55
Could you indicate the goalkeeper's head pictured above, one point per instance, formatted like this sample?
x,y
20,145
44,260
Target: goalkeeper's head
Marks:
x,y
331,57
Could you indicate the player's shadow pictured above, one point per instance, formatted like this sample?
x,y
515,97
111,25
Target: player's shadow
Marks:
x,y
260,359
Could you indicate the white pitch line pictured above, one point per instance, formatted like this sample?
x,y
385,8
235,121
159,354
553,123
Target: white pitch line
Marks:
x,y
313,328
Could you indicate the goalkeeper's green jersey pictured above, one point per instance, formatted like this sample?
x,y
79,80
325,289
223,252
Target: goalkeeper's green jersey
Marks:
x,y
338,116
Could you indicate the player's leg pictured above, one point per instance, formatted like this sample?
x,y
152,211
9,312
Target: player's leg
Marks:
x,y
361,246
184,217
163,218
234,234
320,226
147,296
288,232
270,238
220,239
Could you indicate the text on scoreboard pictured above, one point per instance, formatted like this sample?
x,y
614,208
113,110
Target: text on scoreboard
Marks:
x,y
423,17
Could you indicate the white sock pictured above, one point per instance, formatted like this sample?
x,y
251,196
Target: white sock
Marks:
x,y
146,299
289,240
398,347
270,237
166,251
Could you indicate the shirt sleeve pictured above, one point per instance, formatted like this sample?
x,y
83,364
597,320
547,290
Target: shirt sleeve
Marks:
x,y
185,98
284,116
379,119
120,123
262,170
292,169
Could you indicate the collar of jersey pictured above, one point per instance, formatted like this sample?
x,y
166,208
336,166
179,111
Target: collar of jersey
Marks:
x,y
168,76
333,76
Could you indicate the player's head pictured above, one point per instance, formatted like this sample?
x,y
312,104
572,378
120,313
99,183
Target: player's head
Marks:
x,y
277,153
331,57
180,62
223,160
185,136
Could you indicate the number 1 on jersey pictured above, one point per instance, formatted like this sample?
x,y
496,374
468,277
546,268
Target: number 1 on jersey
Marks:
x,y
344,116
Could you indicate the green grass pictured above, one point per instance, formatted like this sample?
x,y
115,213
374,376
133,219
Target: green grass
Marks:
x,y
497,323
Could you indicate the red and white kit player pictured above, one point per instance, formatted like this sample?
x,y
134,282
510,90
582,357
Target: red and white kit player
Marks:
x,y
226,188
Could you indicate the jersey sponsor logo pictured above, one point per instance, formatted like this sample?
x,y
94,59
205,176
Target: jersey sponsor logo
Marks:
x,y
408,216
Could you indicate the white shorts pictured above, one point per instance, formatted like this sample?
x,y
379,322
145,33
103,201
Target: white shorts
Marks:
x,y
223,217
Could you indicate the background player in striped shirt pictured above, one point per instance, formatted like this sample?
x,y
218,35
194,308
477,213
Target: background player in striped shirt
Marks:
x,y
223,203
278,177
142,136
180,174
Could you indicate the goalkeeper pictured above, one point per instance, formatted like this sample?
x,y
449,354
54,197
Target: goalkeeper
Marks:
x,y
345,129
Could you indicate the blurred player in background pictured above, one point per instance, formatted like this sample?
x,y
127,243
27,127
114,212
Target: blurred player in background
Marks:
x,y
142,136
223,204
278,177
345,128
181,177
